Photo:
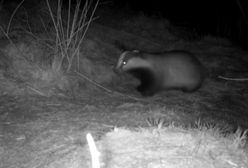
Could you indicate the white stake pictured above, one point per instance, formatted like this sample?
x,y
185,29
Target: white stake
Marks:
x,y
93,151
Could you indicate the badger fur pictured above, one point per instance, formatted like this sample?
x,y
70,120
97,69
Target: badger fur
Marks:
x,y
175,69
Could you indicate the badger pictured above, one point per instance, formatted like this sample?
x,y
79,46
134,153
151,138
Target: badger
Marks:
x,y
171,70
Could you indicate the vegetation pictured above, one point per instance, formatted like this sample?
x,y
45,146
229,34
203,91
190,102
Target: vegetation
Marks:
x,y
70,32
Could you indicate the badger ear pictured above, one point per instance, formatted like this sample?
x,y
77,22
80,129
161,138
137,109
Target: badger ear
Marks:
x,y
136,51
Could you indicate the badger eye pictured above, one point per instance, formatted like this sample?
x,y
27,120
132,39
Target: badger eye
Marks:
x,y
124,62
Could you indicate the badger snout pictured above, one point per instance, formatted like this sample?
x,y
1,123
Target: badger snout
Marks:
x,y
117,70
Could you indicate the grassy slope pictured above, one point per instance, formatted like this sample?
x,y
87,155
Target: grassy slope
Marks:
x,y
45,116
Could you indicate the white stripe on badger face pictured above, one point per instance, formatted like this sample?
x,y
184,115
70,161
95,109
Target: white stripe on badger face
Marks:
x,y
121,59
136,62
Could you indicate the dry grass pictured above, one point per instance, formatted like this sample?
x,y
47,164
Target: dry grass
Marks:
x,y
173,147
62,45
70,32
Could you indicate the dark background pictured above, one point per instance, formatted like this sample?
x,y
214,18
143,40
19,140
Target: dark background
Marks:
x,y
224,18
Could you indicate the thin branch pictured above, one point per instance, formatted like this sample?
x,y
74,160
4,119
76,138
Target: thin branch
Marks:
x,y
233,79
12,15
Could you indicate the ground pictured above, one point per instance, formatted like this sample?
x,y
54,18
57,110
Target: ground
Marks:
x,y
37,120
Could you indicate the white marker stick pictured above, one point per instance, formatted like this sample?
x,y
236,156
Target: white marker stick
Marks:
x,y
93,151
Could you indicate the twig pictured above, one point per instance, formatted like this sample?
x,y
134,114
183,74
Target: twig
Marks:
x,y
13,14
233,79
36,91
108,90
95,83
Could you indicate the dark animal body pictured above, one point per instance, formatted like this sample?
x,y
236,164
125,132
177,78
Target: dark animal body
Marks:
x,y
175,69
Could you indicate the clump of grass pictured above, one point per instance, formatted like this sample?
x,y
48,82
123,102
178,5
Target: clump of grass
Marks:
x,y
69,27
155,122
70,31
